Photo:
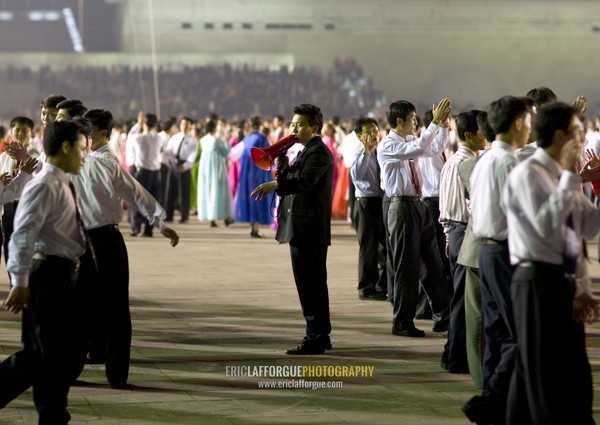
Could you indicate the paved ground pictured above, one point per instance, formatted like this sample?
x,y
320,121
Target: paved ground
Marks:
x,y
222,300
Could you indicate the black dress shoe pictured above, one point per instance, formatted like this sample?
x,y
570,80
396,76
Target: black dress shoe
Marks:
x,y
120,385
373,296
440,326
413,333
213,224
306,349
254,234
228,222
479,410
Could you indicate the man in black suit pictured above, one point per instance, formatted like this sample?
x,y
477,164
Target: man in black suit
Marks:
x,y
304,221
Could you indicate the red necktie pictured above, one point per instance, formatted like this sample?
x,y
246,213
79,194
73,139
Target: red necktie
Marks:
x,y
415,177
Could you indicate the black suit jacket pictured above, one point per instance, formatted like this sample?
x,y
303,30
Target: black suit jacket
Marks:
x,y
305,187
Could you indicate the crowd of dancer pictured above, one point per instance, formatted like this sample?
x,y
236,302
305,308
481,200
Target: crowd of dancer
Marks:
x,y
476,221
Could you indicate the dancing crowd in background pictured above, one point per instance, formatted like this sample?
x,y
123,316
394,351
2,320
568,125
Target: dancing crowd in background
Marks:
x,y
473,219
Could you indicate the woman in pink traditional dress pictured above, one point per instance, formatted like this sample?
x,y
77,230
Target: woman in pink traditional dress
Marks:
x,y
340,174
238,132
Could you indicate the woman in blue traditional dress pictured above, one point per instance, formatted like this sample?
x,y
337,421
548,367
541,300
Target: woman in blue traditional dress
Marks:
x,y
248,209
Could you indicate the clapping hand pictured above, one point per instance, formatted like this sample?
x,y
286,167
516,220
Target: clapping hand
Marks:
x,y
441,113
29,165
5,178
580,105
16,151
591,169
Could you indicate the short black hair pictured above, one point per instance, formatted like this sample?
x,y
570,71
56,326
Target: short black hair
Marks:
x,y
466,121
504,111
23,121
255,122
541,96
86,125
167,123
551,118
315,117
188,119
211,126
101,119
52,100
427,117
362,121
399,109
73,106
58,132
151,120
484,126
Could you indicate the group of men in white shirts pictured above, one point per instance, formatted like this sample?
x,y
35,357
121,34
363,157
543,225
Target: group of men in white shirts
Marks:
x,y
516,220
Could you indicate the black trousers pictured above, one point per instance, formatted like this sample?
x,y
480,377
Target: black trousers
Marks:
x,y
47,336
552,380
412,237
179,188
309,264
372,251
150,180
164,182
104,297
457,334
495,273
389,260
433,206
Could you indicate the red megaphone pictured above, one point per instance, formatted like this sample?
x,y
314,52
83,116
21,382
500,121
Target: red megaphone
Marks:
x,y
262,157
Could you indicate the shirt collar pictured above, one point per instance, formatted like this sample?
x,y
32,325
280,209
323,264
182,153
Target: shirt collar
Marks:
x,y
56,171
504,146
467,151
549,163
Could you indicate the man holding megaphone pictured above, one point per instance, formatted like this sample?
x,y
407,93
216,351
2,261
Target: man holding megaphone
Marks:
x,y
304,221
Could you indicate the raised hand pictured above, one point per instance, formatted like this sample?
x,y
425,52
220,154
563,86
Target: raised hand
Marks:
x,y
580,105
16,151
29,165
5,178
441,112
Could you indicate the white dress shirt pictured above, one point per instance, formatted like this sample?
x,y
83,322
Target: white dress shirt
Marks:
x,y
187,154
146,150
352,147
454,206
44,222
487,183
539,196
101,185
394,152
429,170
